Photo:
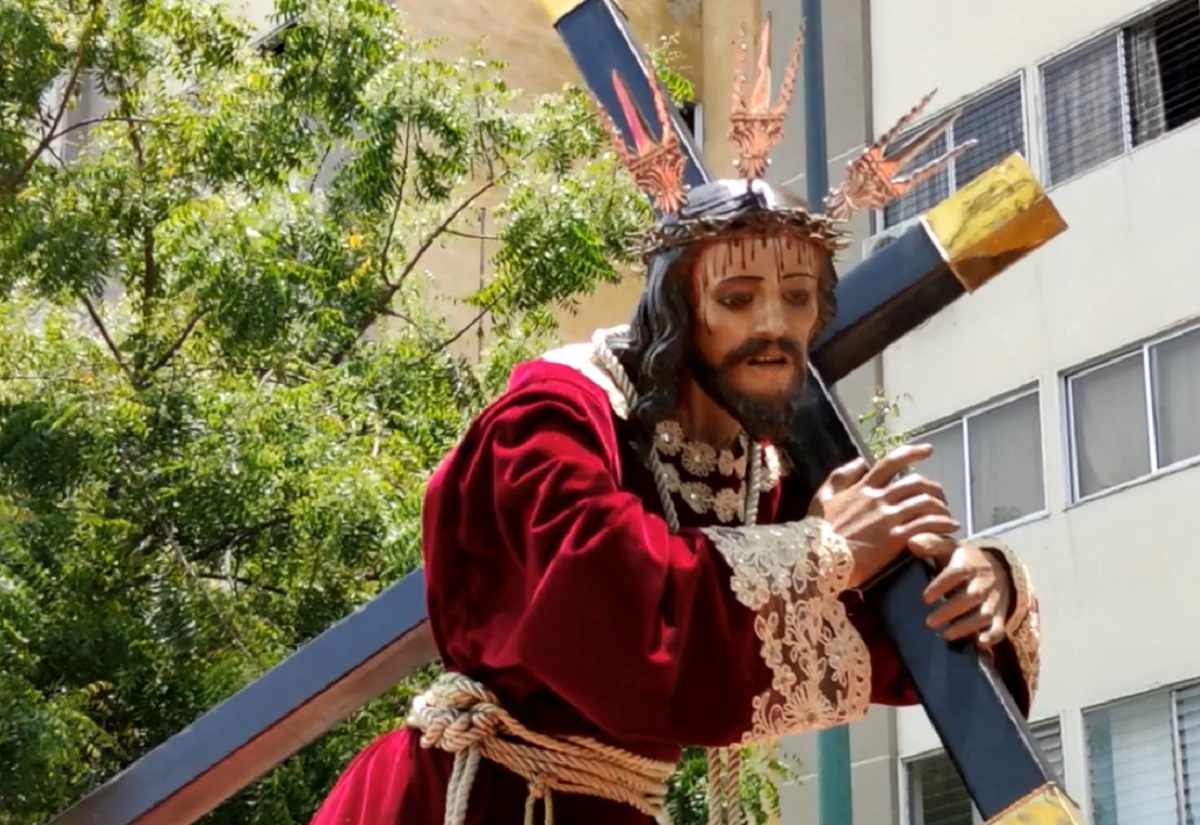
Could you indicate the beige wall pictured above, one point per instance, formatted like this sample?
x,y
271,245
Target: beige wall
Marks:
x,y
1124,271
958,48
1116,573
538,62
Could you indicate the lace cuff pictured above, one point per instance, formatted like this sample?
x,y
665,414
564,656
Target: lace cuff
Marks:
x,y
1024,627
791,576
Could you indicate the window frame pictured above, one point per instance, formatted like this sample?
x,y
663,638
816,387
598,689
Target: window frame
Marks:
x,y
910,806
879,223
1117,32
1177,760
962,419
1143,351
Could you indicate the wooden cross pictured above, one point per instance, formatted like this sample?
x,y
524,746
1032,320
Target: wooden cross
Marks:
x,y
957,247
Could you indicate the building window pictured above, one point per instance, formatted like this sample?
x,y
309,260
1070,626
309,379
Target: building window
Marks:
x,y
1140,759
989,463
937,796
1134,415
1121,89
996,119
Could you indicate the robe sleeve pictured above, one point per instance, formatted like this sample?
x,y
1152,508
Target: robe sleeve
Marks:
x,y
890,683
706,637
1017,658
1021,649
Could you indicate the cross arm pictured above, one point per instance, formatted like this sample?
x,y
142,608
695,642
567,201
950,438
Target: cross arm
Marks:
x,y
957,247
356,660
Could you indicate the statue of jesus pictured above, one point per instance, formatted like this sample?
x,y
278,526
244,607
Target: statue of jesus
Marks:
x,y
620,562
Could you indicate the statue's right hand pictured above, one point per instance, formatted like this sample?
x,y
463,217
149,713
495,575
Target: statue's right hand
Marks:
x,y
877,511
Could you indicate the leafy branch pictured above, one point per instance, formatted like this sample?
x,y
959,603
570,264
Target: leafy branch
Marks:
x,y
72,82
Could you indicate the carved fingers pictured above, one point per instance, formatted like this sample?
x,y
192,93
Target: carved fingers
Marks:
x,y
973,588
879,510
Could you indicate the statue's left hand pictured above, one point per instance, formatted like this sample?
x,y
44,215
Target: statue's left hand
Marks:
x,y
976,586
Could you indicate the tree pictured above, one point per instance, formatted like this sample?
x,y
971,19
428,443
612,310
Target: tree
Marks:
x,y
226,454
224,372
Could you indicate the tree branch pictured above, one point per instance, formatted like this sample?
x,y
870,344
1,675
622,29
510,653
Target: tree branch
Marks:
x,y
68,91
392,287
93,121
227,578
150,266
227,540
388,292
170,352
216,609
444,345
108,339
391,233
433,236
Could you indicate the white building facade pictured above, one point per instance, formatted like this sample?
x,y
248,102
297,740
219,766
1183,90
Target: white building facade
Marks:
x,y
1063,399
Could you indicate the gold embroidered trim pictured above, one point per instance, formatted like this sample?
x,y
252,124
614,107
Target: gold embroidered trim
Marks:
x,y
791,575
1027,641
1024,626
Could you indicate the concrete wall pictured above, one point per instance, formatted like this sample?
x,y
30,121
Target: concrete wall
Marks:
x,y
1076,300
959,48
1115,588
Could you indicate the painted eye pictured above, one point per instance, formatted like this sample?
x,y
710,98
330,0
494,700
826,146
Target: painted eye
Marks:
x,y
799,297
735,301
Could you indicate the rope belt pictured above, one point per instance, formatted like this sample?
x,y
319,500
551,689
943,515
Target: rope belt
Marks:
x,y
460,716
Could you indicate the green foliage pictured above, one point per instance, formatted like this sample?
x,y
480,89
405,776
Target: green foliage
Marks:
x,y
880,437
224,372
762,772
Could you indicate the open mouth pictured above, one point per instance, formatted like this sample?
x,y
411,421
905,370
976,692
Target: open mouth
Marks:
x,y
768,361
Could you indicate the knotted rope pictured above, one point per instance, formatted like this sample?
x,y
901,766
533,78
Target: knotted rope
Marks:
x,y
460,716
724,787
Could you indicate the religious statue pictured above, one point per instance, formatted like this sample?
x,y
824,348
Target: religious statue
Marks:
x,y
620,562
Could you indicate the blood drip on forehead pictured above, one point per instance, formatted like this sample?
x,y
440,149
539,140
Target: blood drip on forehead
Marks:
x,y
759,256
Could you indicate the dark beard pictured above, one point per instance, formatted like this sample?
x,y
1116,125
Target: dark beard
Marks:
x,y
763,419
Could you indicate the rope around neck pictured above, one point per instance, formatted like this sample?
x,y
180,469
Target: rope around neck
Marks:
x,y
612,365
724,764
460,716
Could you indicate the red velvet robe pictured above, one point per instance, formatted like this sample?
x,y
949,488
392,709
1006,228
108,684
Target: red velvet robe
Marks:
x,y
553,580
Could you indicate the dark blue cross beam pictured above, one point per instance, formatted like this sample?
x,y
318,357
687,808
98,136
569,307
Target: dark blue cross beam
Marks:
x,y
956,248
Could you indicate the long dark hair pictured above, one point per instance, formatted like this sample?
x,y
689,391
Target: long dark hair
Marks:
x,y
654,351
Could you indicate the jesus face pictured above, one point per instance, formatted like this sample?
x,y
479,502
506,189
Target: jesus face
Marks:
x,y
756,312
